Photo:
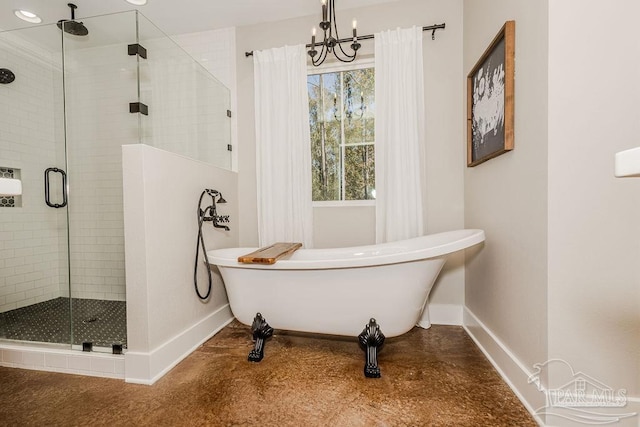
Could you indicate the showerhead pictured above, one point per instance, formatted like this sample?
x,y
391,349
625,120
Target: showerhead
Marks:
x,y
6,76
72,26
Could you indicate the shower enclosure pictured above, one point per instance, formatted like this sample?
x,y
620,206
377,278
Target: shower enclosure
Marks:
x,y
74,101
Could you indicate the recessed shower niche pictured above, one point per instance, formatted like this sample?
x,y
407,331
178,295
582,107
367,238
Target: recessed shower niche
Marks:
x,y
7,201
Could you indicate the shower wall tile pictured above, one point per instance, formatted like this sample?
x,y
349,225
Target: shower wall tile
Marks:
x,y
11,356
118,367
28,141
188,110
103,82
33,359
54,360
103,365
31,139
215,50
78,363
66,361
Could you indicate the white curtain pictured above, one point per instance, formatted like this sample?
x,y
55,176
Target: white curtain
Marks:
x,y
283,153
399,131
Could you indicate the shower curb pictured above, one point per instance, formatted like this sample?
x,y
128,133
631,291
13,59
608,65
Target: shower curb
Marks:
x,y
65,361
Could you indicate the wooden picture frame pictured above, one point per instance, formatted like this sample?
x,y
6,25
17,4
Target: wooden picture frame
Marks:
x,y
490,99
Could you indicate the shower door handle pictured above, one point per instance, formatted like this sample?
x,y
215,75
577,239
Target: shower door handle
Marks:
x,y
46,188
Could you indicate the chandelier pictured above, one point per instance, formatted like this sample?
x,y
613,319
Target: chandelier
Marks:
x,y
332,43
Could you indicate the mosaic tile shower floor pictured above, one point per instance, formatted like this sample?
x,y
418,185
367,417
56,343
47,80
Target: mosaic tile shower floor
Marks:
x,y
98,321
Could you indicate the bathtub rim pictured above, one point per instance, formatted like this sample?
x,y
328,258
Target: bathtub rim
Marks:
x,y
423,247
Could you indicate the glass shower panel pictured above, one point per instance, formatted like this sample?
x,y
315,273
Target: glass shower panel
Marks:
x,y
34,286
188,107
100,82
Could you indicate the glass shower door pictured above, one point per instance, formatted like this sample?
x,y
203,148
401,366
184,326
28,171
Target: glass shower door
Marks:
x,y
100,82
34,285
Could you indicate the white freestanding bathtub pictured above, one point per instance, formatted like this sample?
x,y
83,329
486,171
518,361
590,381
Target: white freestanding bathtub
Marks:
x,y
337,291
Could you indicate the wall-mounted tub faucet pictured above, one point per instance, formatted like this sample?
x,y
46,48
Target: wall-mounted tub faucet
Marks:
x,y
213,214
207,214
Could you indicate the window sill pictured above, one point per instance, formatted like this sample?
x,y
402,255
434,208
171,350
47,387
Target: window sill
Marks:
x,y
343,203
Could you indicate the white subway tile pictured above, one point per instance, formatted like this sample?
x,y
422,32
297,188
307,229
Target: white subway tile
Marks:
x,y
104,365
54,360
33,359
79,363
11,356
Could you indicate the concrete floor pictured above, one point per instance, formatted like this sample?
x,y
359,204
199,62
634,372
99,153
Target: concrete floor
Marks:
x,y
435,377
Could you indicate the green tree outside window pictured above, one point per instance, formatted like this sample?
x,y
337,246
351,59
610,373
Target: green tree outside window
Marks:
x,y
341,118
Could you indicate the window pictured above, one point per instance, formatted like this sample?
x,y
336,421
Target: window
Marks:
x,y
341,116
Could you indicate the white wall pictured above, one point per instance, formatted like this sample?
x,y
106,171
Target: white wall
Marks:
x,y
594,232
165,318
345,226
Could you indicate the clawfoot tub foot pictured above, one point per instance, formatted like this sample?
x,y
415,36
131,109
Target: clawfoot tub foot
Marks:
x,y
261,331
371,339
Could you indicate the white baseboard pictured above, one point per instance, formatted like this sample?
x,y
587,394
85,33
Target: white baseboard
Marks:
x,y
147,368
517,376
510,368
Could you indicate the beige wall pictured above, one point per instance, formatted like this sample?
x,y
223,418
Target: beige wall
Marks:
x,y
559,275
594,218
506,283
340,226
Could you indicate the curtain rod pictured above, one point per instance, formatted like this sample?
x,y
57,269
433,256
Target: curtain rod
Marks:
x,y
431,28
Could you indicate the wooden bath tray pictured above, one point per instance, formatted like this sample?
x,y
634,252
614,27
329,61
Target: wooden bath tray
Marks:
x,y
270,254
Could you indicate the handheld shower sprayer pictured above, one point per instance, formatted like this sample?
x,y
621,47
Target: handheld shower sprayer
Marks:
x,y
209,213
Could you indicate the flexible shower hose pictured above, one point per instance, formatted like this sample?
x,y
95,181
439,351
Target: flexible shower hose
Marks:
x,y
200,241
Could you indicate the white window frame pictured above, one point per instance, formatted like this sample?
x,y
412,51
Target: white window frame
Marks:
x,y
334,67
